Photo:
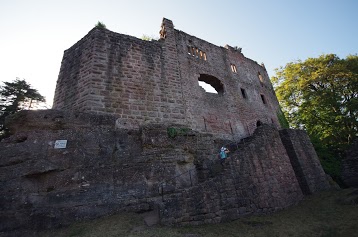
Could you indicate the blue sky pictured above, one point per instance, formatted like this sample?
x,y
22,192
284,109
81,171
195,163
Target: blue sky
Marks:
x,y
35,33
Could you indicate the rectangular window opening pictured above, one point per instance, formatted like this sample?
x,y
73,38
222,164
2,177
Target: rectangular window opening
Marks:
x,y
189,50
193,51
233,68
196,52
243,92
263,99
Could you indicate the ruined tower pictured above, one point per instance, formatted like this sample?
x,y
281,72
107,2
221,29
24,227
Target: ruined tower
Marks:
x,y
158,81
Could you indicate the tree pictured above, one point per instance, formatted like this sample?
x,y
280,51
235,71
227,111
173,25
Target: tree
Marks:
x,y
16,96
321,96
101,25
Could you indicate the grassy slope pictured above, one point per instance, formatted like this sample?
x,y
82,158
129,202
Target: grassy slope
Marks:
x,y
331,213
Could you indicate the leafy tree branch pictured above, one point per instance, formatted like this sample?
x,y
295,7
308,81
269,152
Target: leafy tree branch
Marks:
x,y
15,96
321,95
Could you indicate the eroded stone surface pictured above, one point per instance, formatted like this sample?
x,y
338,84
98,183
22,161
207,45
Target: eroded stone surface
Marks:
x,y
350,166
164,167
142,81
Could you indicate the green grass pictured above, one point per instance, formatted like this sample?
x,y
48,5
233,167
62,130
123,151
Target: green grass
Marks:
x,y
327,214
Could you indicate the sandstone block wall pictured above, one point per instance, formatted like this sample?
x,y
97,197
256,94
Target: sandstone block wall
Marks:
x,y
102,170
157,81
74,81
257,178
125,76
304,160
229,111
167,167
350,166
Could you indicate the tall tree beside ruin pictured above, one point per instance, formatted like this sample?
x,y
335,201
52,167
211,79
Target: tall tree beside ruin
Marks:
x,y
16,96
321,96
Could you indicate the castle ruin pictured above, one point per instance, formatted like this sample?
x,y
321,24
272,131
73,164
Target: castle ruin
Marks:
x,y
157,81
141,135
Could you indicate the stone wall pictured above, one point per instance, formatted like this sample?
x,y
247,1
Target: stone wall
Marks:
x,y
102,171
229,111
127,77
106,170
304,160
74,81
257,178
350,166
140,81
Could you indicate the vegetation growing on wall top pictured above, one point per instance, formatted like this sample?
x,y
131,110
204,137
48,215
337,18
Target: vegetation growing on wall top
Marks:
x,y
101,25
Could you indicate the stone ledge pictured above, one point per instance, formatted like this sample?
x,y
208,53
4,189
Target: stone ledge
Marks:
x,y
50,119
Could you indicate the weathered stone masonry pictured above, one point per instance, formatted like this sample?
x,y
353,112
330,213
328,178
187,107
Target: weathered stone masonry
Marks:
x,y
304,160
157,81
258,178
105,171
350,166
143,136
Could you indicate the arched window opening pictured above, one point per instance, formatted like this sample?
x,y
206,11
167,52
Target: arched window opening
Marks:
x,y
211,84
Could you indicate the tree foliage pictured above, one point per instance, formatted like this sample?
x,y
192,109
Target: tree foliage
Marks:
x,y
16,96
148,38
321,96
101,25
282,119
